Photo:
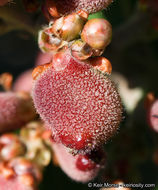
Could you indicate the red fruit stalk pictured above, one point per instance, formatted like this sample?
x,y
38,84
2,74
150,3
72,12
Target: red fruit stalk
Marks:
x,y
80,104
81,168
16,109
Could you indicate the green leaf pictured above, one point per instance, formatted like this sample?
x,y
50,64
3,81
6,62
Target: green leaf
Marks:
x,y
99,14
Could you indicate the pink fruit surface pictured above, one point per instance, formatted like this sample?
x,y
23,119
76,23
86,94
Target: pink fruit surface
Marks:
x,y
24,82
12,184
152,115
79,167
15,110
80,104
62,7
43,58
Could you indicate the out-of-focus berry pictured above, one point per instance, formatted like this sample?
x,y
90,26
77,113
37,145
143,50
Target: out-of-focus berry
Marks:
x,y
24,82
11,146
43,58
16,109
19,174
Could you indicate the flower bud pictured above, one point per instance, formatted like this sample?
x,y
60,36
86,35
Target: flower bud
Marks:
x,y
48,42
81,50
97,33
102,64
68,28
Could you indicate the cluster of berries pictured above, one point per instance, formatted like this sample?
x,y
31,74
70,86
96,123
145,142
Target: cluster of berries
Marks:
x,y
23,157
65,33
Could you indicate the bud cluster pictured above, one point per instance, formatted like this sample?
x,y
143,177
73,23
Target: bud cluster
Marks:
x,y
84,38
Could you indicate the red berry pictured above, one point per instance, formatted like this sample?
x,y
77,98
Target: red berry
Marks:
x,y
80,104
83,163
81,168
90,161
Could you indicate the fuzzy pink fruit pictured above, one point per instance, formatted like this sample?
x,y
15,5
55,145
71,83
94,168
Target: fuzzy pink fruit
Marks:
x,y
16,109
80,104
81,168
152,115
64,7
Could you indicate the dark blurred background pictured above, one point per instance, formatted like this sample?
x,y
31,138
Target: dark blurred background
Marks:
x,y
133,53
